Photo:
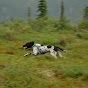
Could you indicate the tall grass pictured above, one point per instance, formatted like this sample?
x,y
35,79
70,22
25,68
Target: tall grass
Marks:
x,y
42,71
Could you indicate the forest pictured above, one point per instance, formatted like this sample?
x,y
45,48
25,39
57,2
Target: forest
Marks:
x,y
43,71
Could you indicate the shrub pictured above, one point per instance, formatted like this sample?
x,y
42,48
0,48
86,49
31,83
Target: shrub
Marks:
x,y
85,76
82,35
83,24
62,42
8,36
64,24
79,35
44,23
17,24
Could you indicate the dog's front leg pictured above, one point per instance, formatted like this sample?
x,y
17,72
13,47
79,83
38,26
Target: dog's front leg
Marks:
x,y
27,54
35,52
30,54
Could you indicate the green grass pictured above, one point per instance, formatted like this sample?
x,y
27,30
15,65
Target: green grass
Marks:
x,y
42,71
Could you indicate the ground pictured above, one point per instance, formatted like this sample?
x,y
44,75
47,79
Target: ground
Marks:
x,y
43,71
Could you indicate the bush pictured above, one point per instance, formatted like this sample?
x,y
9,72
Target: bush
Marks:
x,y
8,36
62,42
83,24
85,76
79,35
62,26
44,23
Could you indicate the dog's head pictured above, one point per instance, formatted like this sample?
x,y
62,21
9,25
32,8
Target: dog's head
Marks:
x,y
28,45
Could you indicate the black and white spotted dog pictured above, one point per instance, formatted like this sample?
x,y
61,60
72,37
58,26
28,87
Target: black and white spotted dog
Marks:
x,y
42,49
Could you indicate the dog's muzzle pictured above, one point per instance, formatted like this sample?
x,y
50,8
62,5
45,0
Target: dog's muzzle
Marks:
x,y
25,47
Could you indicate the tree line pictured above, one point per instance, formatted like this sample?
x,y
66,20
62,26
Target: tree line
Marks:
x,y
63,22
42,10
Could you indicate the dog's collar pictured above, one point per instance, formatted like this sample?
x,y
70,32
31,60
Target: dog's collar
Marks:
x,y
33,46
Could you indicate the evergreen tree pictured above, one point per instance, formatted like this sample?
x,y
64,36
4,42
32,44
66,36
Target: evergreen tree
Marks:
x,y
42,8
84,23
29,12
86,13
63,23
62,12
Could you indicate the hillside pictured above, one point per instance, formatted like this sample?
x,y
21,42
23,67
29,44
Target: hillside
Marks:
x,y
18,8
42,71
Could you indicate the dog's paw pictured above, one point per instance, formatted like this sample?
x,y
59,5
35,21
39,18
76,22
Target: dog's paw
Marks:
x,y
25,55
65,51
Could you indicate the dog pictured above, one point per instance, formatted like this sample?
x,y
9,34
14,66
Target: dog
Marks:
x,y
42,49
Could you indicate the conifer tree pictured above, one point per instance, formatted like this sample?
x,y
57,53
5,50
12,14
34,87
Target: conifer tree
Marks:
x,y
62,12
84,23
63,22
29,12
42,8
86,13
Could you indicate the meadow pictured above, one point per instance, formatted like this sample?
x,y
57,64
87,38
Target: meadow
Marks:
x,y
42,71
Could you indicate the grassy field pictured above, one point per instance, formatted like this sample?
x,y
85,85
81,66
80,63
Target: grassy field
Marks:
x,y
42,71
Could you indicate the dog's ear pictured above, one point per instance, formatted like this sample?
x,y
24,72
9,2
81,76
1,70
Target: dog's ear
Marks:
x,y
32,42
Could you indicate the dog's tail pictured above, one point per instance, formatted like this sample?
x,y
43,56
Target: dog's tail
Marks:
x,y
61,49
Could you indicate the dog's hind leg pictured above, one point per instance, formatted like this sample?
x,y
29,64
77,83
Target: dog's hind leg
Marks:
x,y
59,54
53,53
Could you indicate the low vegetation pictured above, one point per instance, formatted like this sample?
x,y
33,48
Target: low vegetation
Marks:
x,y
43,71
